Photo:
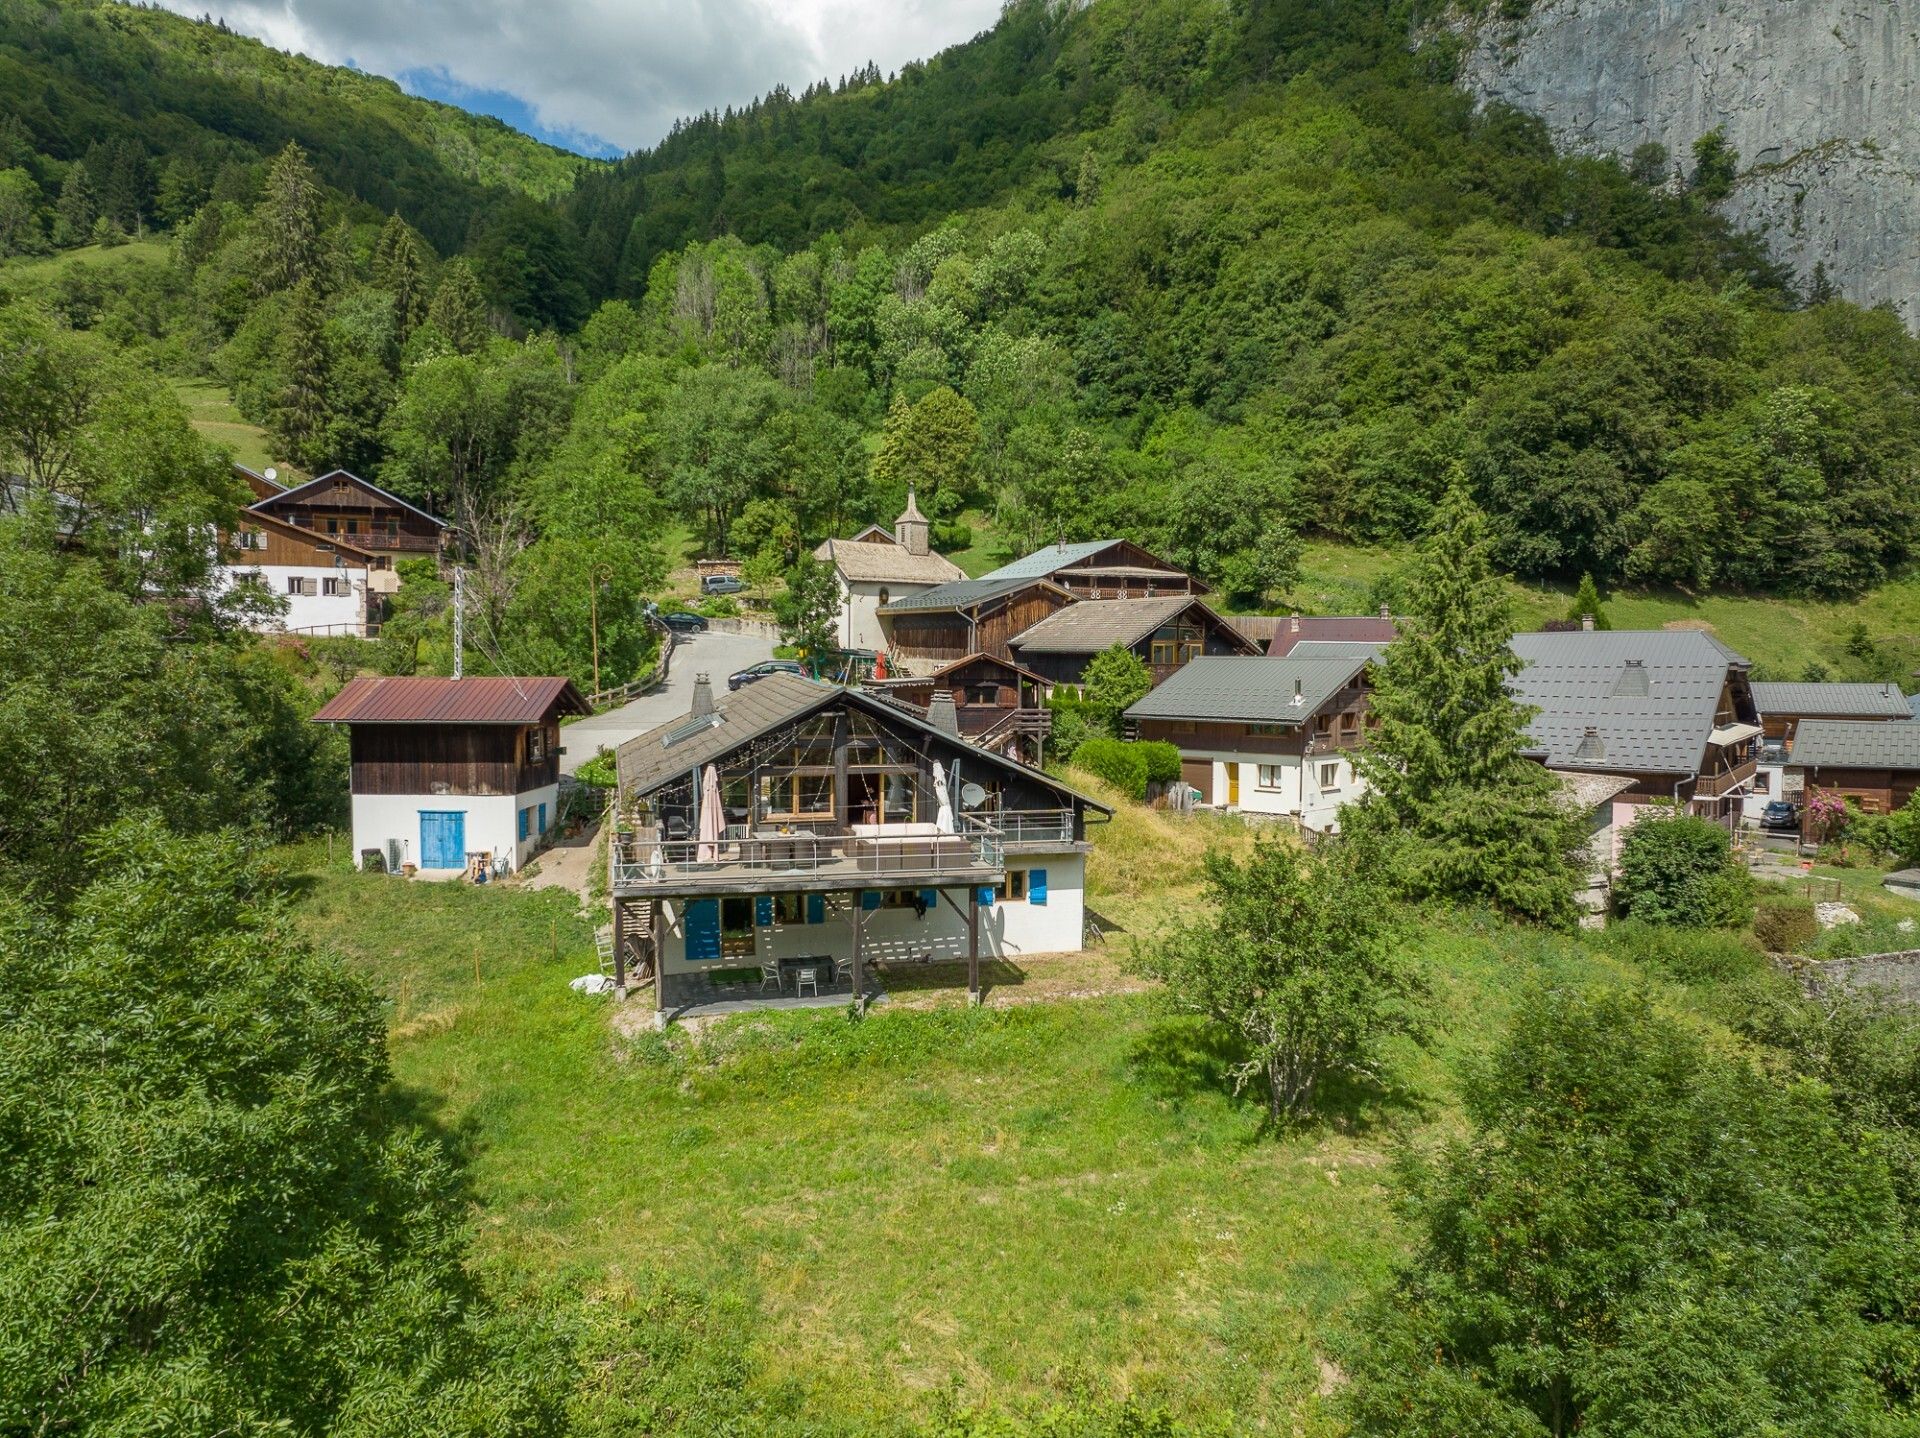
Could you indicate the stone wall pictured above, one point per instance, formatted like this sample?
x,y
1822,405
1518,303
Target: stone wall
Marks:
x,y
1897,974
1821,98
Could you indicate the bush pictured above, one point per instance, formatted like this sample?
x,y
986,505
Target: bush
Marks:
x,y
1678,869
1070,731
1163,761
1894,837
1690,955
949,536
718,606
600,771
1121,764
1785,926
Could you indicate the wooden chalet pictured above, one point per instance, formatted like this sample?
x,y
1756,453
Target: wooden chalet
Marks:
x,y
1873,765
343,506
1102,569
996,703
954,621
1165,633
775,844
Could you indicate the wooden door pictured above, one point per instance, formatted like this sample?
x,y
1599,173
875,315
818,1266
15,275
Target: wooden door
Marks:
x,y
1233,785
1199,776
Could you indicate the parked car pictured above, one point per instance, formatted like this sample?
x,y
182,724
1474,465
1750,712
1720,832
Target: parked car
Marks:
x,y
681,621
1780,814
721,584
761,670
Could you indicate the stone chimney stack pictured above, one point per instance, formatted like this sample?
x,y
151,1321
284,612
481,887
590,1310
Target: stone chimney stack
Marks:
x,y
941,714
1586,623
702,696
911,528
1293,625
1385,613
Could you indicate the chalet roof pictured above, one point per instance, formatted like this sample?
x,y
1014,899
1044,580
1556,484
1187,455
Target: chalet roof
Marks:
x,y
1096,624
1042,562
1588,791
334,476
1650,697
1855,744
965,594
1353,628
1833,701
430,700
647,762
953,667
1249,688
260,484
872,562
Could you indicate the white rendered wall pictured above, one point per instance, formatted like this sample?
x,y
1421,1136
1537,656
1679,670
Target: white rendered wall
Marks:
x,y
1011,929
1317,809
492,824
341,613
860,626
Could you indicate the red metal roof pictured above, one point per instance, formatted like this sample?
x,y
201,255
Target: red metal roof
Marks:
x,y
482,700
1361,628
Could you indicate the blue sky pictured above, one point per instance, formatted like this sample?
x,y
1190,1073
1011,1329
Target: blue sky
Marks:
x,y
604,76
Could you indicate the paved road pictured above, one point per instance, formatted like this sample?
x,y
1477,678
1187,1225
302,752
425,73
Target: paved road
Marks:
x,y
715,655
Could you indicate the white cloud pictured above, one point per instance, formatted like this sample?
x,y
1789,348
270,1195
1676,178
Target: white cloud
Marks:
x,y
621,69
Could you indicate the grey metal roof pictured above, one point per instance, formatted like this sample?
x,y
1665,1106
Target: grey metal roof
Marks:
x,y
1855,744
650,760
1043,562
1833,701
1650,695
1334,649
1096,624
1248,688
961,594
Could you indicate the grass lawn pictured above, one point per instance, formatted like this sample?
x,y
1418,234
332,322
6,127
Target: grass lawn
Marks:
x,y
40,268
211,409
994,1200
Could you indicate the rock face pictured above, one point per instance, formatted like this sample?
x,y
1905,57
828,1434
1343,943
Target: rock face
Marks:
x,y
1821,98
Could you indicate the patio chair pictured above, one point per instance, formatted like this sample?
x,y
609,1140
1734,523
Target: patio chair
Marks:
x,y
770,974
843,968
803,978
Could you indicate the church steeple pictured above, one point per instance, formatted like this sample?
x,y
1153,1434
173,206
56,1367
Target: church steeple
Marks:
x,y
911,528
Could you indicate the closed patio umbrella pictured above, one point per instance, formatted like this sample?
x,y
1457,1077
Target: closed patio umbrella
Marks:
x,y
713,822
943,795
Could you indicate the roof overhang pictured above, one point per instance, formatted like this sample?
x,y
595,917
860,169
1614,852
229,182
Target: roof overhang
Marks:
x,y
1734,734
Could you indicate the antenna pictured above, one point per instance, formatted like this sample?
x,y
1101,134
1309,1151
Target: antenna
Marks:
x,y
459,620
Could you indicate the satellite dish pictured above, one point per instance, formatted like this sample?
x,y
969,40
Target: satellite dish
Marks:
x,y
972,796
272,473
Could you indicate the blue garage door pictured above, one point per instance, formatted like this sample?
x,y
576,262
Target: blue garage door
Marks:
x,y
443,839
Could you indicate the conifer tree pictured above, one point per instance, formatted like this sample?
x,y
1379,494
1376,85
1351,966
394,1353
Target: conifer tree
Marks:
x,y
1455,809
300,418
397,269
1586,601
288,219
458,310
73,212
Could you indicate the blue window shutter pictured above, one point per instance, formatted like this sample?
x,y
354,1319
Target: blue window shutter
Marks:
x,y
763,912
703,929
870,900
983,896
543,818
1036,886
816,908
525,814
931,898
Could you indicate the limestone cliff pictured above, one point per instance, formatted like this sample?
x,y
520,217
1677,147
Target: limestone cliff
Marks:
x,y
1821,98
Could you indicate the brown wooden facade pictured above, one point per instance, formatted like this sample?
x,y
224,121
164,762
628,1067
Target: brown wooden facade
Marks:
x,y
1123,570
1874,791
1196,632
263,539
984,689
346,508
986,628
454,759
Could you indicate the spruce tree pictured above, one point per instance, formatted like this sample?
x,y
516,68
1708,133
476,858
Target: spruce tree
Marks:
x,y
397,270
1455,809
73,212
1586,601
300,418
458,310
288,221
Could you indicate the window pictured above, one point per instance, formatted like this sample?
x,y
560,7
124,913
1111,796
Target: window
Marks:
x,y
353,526
1272,776
797,796
250,539
789,908
904,899
1329,776
1349,723
298,586
736,927
537,745
333,587
983,694
333,526
1762,782
1323,723
885,597
1013,888
1166,653
1266,731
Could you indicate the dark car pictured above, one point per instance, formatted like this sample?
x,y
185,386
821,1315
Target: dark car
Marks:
x,y
721,584
1780,814
682,622
762,670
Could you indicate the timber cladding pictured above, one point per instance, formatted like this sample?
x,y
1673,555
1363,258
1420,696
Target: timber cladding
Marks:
x,y
947,634
454,759
283,544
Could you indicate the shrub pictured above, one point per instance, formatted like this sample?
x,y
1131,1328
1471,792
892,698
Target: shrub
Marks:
x,y
718,606
950,535
1679,869
1690,955
1785,926
1894,836
1070,731
600,771
1121,764
1163,761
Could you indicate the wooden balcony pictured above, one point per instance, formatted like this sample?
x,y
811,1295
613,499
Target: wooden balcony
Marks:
x,y
765,862
1713,786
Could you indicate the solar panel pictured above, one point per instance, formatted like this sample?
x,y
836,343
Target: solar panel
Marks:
x,y
689,728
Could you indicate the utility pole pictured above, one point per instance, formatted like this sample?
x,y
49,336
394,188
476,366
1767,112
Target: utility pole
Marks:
x,y
593,614
459,620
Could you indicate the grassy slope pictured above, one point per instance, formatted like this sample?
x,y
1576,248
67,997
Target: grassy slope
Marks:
x,y
937,1196
211,409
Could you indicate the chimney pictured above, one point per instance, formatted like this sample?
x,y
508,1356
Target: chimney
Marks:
x,y
702,696
1586,623
1385,613
1298,696
941,714
1293,625
1591,750
911,528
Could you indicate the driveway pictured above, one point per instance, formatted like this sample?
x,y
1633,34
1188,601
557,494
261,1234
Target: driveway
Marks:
x,y
715,655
